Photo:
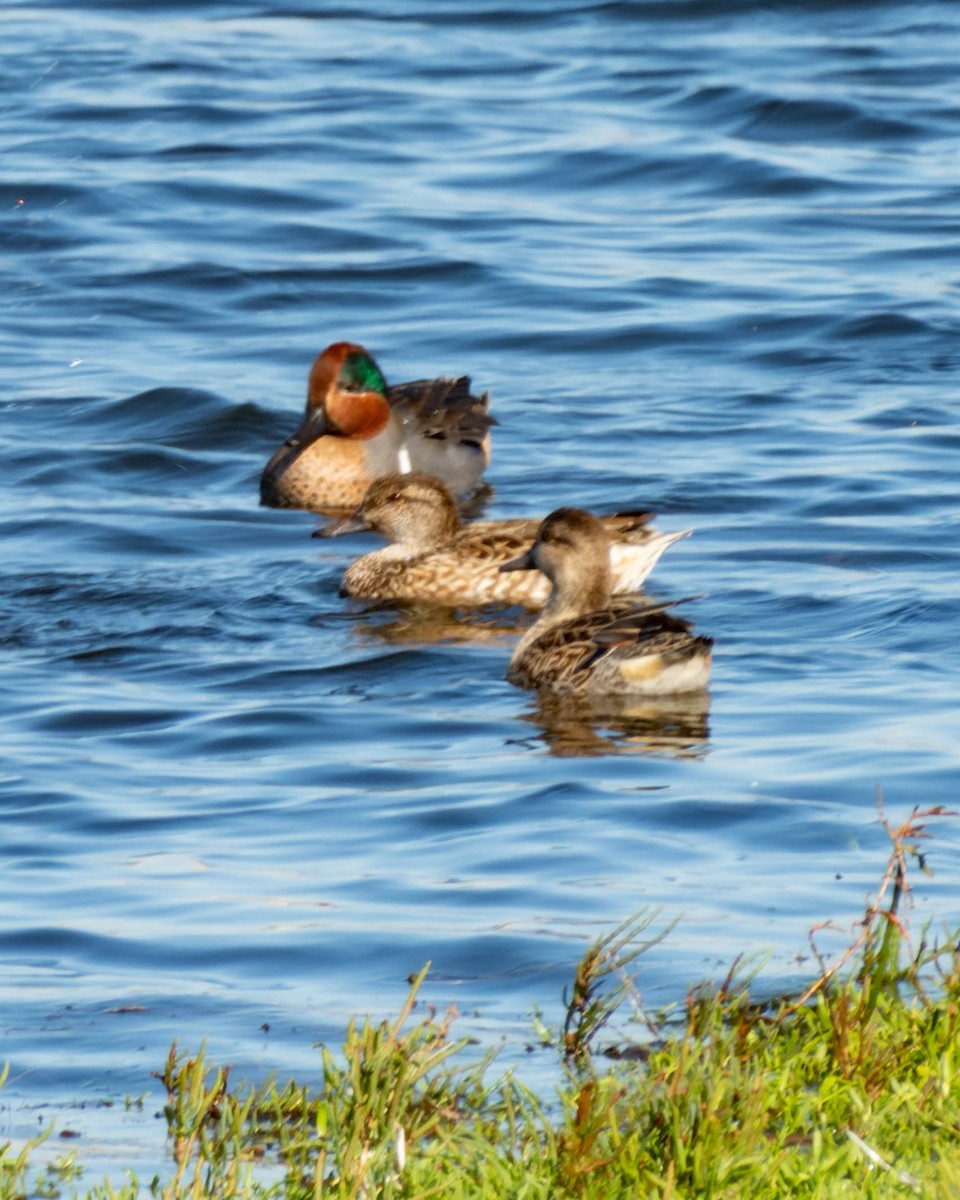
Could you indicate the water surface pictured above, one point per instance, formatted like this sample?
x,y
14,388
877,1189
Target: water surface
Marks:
x,y
705,261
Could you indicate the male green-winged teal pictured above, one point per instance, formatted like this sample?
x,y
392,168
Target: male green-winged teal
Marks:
x,y
357,428
433,556
586,644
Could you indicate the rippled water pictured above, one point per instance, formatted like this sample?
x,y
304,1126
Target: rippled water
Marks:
x,y
705,261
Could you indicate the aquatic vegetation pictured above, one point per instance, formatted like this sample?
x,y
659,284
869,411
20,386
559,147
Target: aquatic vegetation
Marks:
x,y
849,1089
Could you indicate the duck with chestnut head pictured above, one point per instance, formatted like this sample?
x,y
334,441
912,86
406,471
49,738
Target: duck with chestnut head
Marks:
x,y
357,428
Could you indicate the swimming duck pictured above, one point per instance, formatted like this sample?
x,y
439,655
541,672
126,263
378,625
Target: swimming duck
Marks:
x,y
586,644
433,556
357,428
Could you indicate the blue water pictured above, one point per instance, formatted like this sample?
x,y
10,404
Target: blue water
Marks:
x,y
706,258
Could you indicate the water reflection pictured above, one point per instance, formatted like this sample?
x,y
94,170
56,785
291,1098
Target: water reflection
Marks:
x,y
574,726
432,623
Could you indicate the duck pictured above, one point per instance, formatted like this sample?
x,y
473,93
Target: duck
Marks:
x,y
585,643
357,428
434,556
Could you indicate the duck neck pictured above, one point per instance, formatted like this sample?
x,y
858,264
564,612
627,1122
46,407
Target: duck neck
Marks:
x,y
575,594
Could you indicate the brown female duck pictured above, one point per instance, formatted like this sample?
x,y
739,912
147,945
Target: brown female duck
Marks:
x,y
433,556
586,644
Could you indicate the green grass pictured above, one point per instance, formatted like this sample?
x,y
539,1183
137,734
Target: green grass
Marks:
x,y
848,1090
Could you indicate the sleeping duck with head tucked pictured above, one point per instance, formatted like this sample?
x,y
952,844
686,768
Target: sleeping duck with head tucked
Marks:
x,y
357,428
435,557
587,644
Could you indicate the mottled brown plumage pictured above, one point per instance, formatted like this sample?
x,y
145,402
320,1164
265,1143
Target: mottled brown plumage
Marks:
x,y
432,556
584,643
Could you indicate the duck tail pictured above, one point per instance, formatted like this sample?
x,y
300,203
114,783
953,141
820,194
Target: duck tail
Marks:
x,y
631,563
